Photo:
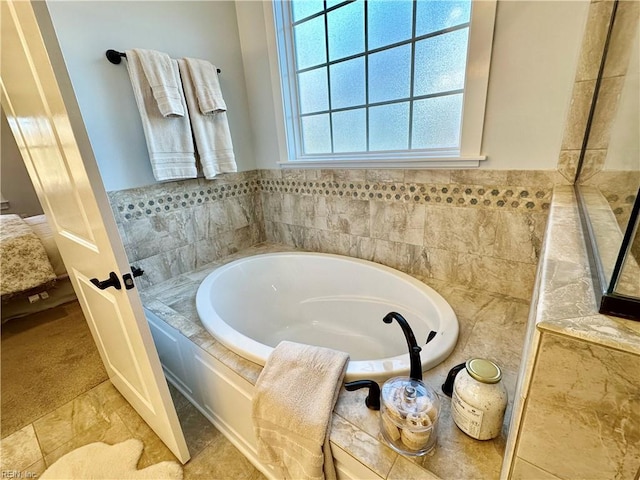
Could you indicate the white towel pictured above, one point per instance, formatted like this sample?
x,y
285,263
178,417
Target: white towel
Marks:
x,y
292,407
162,75
204,77
169,140
213,138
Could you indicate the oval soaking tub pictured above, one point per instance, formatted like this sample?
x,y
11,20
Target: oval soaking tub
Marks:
x,y
334,301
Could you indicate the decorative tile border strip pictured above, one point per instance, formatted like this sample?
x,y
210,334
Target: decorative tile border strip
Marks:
x,y
163,198
145,201
508,197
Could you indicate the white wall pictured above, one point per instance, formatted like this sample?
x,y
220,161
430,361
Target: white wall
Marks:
x,y
15,183
199,29
535,54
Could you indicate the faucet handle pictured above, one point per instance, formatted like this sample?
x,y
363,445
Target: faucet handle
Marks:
x,y
447,386
373,399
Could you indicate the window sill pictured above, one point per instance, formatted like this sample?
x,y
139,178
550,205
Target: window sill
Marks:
x,y
388,162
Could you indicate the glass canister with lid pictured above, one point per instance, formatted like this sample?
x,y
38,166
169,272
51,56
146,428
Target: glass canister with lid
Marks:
x,y
409,415
478,399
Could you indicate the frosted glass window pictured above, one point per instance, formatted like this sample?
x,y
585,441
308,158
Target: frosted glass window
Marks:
x,y
310,41
440,63
316,134
388,22
389,127
348,83
349,131
345,29
314,93
433,16
390,74
366,76
307,7
436,122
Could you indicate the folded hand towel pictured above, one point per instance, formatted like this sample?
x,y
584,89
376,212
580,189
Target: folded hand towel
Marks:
x,y
204,76
292,408
169,140
162,75
211,132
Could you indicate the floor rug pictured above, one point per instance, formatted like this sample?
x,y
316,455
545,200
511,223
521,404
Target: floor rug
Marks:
x,y
99,461
48,359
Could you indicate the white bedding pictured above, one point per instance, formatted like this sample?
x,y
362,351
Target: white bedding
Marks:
x,y
61,293
26,268
41,228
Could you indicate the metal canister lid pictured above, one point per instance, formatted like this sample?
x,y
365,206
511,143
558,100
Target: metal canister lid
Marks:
x,y
483,370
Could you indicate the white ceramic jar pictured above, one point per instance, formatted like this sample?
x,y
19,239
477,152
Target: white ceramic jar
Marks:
x,y
479,399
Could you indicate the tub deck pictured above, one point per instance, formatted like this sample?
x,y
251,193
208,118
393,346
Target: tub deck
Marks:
x,y
491,326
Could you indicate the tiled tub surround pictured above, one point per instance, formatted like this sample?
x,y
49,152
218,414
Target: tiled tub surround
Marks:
x,y
491,325
619,188
172,228
461,226
481,228
577,407
473,235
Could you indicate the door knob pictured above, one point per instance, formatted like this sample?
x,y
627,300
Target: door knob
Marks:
x,y
112,281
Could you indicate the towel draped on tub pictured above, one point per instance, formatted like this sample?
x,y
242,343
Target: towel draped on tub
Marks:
x,y
292,408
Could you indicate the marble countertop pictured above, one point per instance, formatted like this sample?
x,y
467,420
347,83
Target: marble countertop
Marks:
x,y
491,326
567,303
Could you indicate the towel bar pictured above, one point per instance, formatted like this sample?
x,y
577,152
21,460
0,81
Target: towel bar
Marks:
x,y
116,57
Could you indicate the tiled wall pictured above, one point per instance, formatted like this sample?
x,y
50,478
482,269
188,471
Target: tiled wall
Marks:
x,y
474,227
619,187
172,228
613,79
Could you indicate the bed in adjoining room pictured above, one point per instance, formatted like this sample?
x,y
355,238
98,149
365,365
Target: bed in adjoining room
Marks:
x,y
33,276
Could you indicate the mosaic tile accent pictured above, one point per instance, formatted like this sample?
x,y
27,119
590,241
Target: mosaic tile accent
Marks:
x,y
455,195
135,203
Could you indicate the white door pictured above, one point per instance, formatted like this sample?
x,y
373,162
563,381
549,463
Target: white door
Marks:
x,y
65,175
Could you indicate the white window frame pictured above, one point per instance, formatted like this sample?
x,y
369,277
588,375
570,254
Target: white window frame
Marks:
x,y
473,110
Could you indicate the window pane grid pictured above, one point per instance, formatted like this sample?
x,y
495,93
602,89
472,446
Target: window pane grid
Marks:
x,y
388,102
386,47
326,46
366,74
413,69
407,104
324,11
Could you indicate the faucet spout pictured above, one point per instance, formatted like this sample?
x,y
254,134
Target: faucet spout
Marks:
x,y
414,349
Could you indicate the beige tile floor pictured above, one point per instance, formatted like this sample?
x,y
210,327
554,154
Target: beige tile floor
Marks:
x,y
103,415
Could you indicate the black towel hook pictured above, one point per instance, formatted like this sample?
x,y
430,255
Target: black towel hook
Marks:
x,y
116,57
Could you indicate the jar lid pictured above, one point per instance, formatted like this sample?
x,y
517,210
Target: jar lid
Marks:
x,y
407,396
483,370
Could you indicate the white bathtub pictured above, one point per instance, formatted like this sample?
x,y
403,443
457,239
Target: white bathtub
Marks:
x,y
334,301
